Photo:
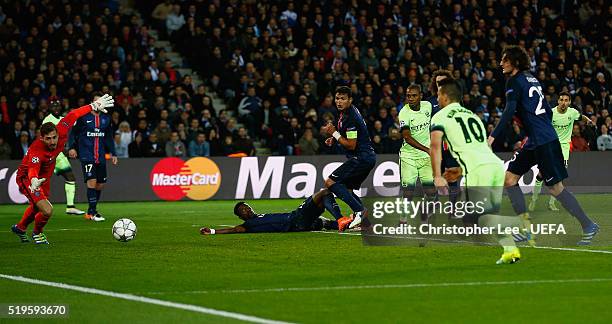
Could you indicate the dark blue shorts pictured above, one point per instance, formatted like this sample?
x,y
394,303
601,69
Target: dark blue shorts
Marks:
x,y
353,172
448,161
95,171
306,216
549,159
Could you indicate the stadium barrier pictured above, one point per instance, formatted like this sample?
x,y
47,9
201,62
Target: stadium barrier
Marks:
x,y
263,177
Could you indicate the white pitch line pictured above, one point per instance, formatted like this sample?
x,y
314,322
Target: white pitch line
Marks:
x,y
146,300
389,286
492,244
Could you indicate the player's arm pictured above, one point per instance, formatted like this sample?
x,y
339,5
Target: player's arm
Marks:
x,y
109,143
435,154
587,120
506,117
349,142
232,230
65,124
411,141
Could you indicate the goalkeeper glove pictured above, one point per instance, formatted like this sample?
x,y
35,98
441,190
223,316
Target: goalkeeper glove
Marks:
x,y
106,101
35,183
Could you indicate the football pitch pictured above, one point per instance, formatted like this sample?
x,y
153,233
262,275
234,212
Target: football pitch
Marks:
x,y
170,273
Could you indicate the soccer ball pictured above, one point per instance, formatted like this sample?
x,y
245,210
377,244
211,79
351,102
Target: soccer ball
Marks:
x,y
124,230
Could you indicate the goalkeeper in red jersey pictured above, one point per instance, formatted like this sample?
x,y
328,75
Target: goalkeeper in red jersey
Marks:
x,y
36,169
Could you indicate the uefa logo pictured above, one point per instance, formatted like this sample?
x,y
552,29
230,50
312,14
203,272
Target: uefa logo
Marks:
x,y
198,178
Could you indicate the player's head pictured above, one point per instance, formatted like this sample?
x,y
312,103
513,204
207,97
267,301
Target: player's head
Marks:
x,y
514,59
438,76
243,210
565,100
55,105
48,134
413,95
449,92
96,96
344,97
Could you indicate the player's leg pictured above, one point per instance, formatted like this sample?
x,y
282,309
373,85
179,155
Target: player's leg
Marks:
x,y
336,183
353,182
537,188
522,162
29,214
485,186
90,177
425,172
324,200
63,168
554,172
551,202
408,178
45,210
100,183
449,162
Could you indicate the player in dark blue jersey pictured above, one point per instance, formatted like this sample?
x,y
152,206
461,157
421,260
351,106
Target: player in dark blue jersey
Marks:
x,y
90,139
352,134
303,219
525,99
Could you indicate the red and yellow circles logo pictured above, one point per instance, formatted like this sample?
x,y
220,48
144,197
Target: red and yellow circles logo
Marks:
x,y
198,178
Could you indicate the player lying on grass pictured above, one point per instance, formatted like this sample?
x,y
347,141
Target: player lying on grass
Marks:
x,y
37,166
303,219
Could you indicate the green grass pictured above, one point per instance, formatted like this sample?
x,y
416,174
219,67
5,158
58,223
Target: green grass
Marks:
x,y
170,261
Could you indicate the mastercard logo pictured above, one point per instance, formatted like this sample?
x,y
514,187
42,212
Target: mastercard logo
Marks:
x,y
198,178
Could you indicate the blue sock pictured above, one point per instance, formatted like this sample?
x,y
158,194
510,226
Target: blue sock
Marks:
x,y
98,193
345,195
332,206
516,198
572,205
92,198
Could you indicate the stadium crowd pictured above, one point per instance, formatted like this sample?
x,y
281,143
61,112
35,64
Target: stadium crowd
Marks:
x,y
276,65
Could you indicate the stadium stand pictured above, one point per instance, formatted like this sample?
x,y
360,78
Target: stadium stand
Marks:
x,y
264,71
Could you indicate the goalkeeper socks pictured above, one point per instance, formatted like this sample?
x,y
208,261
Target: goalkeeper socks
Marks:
x,y
537,189
92,199
40,221
332,206
70,188
570,203
517,199
27,218
343,193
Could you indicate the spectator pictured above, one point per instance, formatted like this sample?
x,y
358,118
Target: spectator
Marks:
x,y
199,146
162,131
393,142
308,144
21,147
175,20
579,143
216,148
5,149
152,148
228,146
243,143
125,133
121,149
137,148
175,147
160,14
604,141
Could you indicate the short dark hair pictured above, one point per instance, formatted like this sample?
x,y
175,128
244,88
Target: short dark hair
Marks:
x,y
414,87
238,204
344,90
517,56
441,72
452,89
565,93
47,128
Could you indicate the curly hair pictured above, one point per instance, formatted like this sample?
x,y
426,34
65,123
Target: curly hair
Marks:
x,y
517,56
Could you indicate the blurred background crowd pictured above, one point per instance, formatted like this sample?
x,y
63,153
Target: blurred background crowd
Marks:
x,y
275,65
